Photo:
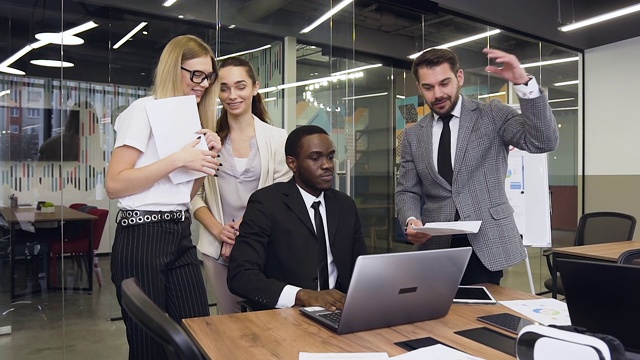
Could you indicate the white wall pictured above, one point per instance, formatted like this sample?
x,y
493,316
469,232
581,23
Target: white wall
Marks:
x,y
612,124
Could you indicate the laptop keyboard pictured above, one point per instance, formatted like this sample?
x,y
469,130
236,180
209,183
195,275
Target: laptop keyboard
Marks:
x,y
333,317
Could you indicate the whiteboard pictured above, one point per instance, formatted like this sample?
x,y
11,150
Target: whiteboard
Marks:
x,y
527,188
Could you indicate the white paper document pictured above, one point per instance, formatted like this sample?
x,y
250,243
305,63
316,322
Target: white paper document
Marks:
x,y
449,228
435,352
544,311
343,356
174,122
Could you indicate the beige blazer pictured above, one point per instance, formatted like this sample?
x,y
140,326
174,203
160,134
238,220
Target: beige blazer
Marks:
x,y
271,142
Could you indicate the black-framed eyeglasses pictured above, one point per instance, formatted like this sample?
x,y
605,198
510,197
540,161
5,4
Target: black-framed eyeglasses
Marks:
x,y
198,77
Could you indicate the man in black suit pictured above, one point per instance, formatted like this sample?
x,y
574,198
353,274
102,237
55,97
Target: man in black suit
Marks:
x,y
278,260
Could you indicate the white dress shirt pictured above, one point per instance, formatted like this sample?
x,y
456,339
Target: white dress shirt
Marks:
x,y
288,296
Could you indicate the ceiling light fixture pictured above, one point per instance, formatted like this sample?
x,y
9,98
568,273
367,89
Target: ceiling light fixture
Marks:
x,y
130,34
492,95
269,89
5,92
564,83
52,63
458,42
549,62
243,52
559,100
270,99
12,71
4,66
169,3
356,69
324,17
400,96
600,18
365,96
59,38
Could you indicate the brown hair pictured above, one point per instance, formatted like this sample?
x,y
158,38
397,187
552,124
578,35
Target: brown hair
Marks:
x,y
435,57
257,104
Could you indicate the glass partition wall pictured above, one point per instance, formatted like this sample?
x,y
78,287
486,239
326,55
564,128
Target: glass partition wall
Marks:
x,y
350,75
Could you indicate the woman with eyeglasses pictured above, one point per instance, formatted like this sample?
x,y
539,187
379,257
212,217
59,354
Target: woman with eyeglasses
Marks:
x,y
153,236
253,157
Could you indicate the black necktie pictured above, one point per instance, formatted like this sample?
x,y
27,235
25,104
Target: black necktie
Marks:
x,y
323,266
444,150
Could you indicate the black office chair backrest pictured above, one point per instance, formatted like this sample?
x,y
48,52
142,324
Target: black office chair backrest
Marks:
x,y
149,316
630,257
604,227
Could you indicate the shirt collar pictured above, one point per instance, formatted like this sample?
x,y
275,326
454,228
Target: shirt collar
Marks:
x,y
456,111
310,199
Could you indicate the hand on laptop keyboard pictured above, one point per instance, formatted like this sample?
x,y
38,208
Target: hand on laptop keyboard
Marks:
x,y
331,300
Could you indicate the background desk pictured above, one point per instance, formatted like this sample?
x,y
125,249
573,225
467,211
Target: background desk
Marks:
x,y
608,252
282,334
13,217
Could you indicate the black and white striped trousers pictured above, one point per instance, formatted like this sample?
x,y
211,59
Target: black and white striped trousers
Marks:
x,y
163,258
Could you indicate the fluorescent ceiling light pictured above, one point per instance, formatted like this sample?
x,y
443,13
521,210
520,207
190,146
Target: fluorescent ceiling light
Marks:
x,y
566,108
549,62
52,63
356,69
5,92
491,95
458,42
169,3
559,100
243,52
600,18
78,29
4,66
130,34
572,82
59,39
269,89
12,71
400,96
365,96
270,99
324,17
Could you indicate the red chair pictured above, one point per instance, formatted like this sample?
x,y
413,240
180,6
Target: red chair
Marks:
x,y
77,246
76,206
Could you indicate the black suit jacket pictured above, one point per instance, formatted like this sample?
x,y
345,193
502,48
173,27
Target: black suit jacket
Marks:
x,y
277,244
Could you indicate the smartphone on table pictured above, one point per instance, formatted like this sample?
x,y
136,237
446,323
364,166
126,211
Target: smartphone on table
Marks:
x,y
506,321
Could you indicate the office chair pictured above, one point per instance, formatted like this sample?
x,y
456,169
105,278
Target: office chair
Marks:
x,y
596,228
630,257
149,316
77,245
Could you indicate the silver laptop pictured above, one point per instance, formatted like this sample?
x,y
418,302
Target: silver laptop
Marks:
x,y
397,288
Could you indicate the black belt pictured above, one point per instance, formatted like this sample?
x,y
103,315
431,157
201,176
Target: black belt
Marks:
x,y
137,217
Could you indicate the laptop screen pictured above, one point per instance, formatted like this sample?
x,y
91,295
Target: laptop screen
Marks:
x,y
603,298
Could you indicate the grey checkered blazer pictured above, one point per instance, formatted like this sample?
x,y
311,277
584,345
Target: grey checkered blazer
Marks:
x,y
477,191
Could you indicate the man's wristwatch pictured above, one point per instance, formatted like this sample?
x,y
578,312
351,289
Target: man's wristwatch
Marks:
x,y
527,82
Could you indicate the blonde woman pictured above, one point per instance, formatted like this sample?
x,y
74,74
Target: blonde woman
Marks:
x,y
253,157
153,236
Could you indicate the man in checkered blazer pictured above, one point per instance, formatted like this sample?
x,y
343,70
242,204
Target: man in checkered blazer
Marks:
x,y
465,180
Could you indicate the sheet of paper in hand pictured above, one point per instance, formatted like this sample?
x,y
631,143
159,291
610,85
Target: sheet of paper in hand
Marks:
x,y
174,122
450,228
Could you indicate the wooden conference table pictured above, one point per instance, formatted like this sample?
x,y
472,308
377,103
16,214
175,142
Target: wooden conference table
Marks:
x,y
16,218
607,252
284,333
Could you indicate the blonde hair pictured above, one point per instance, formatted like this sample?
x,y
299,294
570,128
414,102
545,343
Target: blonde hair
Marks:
x,y
168,75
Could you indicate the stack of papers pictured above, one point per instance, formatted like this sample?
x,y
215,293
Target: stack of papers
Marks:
x,y
434,352
544,311
449,228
